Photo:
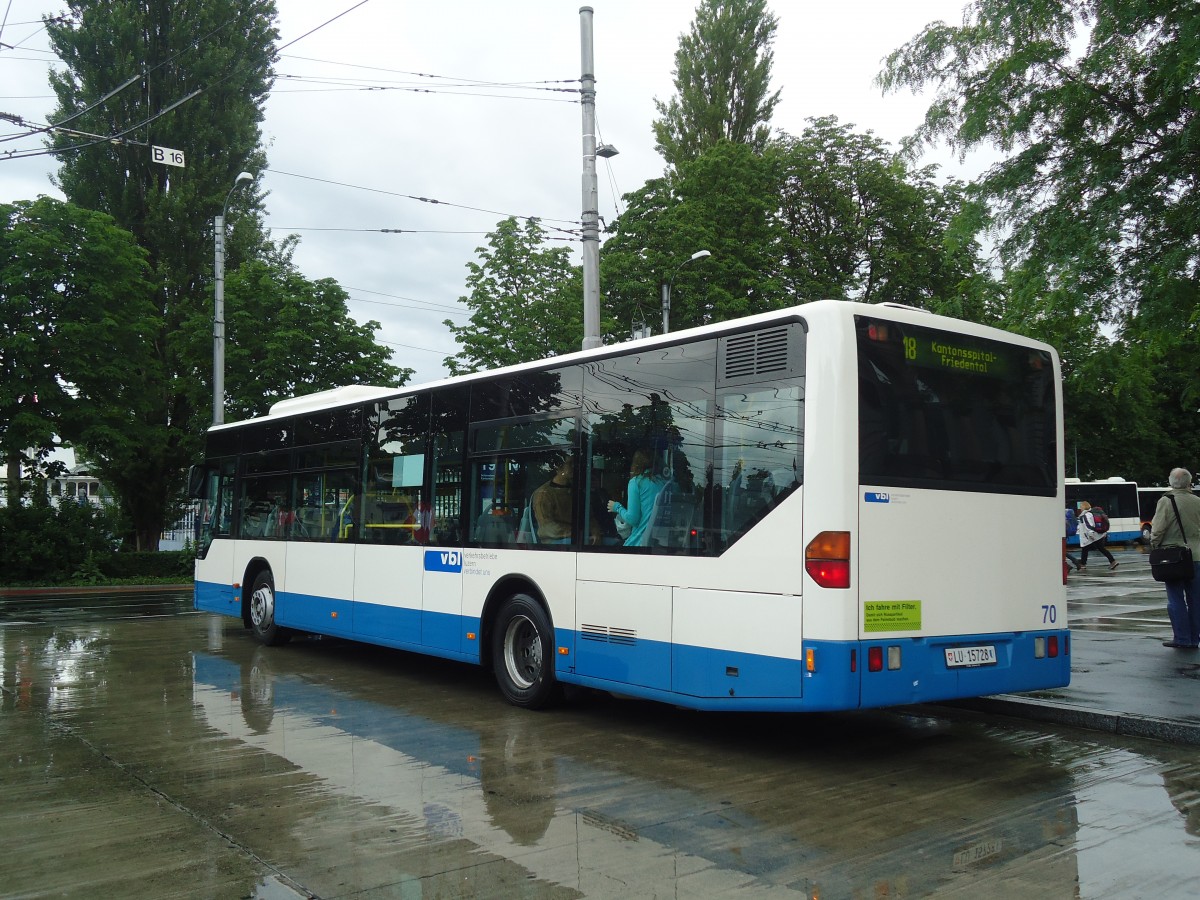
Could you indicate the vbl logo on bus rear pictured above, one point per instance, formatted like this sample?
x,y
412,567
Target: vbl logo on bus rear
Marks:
x,y
877,497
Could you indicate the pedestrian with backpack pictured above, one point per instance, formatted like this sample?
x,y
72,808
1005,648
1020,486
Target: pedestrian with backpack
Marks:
x,y
1093,533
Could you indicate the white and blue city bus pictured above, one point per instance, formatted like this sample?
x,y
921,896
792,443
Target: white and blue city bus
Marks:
x,y
833,493
1118,498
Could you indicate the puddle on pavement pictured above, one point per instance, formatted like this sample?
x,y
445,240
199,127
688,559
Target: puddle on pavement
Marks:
x,y
275,888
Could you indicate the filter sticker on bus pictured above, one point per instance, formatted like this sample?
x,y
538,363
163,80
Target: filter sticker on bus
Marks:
x,y
877,497
892,615
443,561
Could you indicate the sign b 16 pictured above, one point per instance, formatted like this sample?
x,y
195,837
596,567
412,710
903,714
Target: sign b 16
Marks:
x,y
167,156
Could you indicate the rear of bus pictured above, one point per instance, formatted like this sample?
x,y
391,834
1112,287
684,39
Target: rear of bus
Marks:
x,y
960,580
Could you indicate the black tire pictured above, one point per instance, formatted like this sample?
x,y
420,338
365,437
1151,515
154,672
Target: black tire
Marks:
x,y
262,611
523,653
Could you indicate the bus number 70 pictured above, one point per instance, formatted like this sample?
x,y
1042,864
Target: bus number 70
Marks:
x,y
1049,614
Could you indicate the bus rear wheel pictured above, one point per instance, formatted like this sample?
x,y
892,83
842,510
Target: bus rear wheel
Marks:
x,y
262,611
523,653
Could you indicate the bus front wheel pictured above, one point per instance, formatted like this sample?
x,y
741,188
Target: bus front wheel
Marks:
x,y
262,611
523,653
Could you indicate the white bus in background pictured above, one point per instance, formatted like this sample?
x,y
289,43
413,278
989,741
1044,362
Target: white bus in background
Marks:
x,y
1119,500
1148,498
800,460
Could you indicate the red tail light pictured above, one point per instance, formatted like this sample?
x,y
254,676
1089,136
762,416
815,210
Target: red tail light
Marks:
x,y
874,659
1052,646
827,559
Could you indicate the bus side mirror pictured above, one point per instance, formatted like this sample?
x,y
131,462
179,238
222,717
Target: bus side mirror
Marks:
x,y
197,483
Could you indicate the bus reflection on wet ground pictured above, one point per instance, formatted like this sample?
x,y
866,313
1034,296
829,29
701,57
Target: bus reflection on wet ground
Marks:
x,y
172,744
574,799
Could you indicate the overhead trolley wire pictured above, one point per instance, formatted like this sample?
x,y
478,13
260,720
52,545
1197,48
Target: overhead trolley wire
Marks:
x,y
431,200
119,136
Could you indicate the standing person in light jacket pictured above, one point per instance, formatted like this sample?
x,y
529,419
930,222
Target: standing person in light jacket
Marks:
x,y
1183,597
1091,539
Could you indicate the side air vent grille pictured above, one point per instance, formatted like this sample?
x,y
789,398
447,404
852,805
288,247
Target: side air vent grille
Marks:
x,y
606,635
763,355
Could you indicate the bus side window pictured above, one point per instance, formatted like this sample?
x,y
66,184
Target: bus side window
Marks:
x,y
395,506
447,425
760,457
264,507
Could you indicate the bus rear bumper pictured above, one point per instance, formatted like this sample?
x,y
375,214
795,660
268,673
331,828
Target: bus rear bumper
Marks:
x,y
962,666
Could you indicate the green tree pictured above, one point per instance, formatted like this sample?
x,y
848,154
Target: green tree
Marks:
x,y
861,224
292,336
76,325
526,297
722,81
195,77
829,214
1093,104
724,201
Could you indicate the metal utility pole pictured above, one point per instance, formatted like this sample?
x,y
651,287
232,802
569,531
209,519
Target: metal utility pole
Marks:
x,y
219,304
591,203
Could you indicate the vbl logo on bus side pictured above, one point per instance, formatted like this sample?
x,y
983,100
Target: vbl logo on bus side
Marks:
x,y
443,561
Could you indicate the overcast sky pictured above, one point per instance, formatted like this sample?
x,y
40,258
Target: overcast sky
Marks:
x,y
344,157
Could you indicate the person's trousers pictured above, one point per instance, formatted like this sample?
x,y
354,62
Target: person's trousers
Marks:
x,y
1099,547
1183,608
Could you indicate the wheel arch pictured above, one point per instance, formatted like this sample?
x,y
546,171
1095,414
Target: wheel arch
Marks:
x,y
501,591
254,567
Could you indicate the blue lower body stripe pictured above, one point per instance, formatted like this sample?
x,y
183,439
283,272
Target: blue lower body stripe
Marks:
x,y
703,678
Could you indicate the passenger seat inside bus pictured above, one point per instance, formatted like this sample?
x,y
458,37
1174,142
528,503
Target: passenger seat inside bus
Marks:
x,y
527,530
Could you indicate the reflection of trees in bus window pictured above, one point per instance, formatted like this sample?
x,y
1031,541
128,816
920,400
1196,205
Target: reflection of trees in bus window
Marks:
x,y
659,402
328,425
759,458
267,436
526,394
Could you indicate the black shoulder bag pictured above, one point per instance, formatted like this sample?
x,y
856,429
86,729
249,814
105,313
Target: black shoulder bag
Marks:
x,y
1173,563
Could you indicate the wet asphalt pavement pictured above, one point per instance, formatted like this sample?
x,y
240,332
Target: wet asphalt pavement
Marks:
x,y
152,751
1122,678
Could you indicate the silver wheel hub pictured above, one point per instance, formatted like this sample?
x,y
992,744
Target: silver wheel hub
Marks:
x,y
262,607
523,652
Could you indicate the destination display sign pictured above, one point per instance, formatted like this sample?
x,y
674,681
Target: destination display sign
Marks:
x,y
931,349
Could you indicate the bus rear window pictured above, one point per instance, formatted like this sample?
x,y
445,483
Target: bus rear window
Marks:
x,y
950,411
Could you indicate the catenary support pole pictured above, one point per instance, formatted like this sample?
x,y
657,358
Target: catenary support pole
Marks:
x,y
591,203
219,321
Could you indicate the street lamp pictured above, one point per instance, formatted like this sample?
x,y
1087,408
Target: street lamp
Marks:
x,y
219,309
666,288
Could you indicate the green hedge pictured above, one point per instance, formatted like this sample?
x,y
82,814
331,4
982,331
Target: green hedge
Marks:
x,y
76,544
45,545
149,564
